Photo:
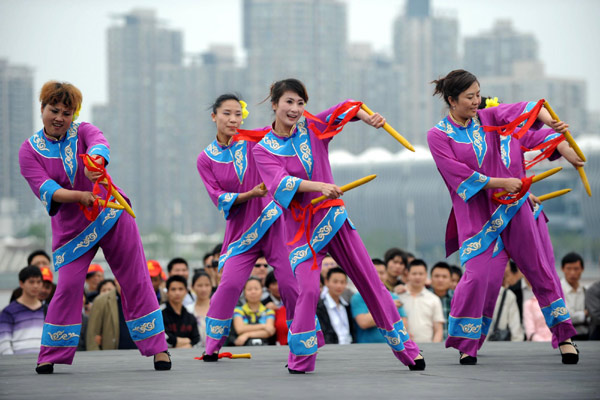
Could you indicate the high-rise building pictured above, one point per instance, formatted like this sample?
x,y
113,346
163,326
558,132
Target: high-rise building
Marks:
x,y
426,46
137,47
16,125
494,53
303,39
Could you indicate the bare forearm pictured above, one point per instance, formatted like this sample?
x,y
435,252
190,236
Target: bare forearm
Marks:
x,y
67,196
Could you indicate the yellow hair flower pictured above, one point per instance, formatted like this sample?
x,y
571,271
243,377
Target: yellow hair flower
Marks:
x,y
491,102
245,111
76,113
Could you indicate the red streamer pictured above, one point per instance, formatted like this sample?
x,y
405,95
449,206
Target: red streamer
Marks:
x,y
512,198
351,108
250,135
546,149
92,212
304,216
509,129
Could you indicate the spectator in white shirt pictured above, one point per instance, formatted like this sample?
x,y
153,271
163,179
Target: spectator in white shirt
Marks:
x,y
572,268
334,313
423,308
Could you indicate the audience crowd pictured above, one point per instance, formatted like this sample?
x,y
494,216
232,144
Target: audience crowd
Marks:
x,y
423,296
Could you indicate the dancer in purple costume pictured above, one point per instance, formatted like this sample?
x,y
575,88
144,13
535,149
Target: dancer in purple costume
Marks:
x,y
254,224
51,165
294,165
471,162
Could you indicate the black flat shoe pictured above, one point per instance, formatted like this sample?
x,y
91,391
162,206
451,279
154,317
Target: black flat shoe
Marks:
x,y
295,372
468,360
210,357
162,365
44,369
569,358
419,365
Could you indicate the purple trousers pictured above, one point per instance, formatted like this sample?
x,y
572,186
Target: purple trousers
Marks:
x,y
347,248
236,271
122,248
472,307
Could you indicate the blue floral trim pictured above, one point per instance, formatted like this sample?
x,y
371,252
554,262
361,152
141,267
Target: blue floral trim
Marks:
x,y
505,149
479,243
537,210
87,239
556,313
486,322
303,344
472,134
102,151
46,192
286,190
498,247
298,144
323,233
254,233
236,154
217,328
60,335
396,337
226,201
472,185
528,107
277,145
66,149
467,328
147,326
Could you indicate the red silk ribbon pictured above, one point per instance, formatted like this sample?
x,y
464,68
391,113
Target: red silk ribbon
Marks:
x,y
512,198
250,135
546,149
509,129
92,212
332,127
304,215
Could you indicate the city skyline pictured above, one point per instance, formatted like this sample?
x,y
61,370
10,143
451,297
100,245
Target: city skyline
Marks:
x,y
83,38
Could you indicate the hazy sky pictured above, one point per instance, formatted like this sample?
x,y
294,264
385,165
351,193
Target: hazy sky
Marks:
x,y
66,40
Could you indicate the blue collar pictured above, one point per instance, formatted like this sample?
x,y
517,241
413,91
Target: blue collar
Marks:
x,y
65,149
235,153
298,144
471,134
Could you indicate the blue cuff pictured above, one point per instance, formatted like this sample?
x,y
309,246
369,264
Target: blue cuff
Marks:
x,y
468,328
46,192
100,150
286,190
556,313
226,201
61,335
147,326
472,185
303,344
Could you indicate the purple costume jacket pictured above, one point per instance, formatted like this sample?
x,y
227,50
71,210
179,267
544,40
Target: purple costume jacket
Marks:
x,y
467,157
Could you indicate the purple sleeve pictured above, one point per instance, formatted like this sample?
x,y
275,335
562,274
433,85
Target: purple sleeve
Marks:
x,y
34,172
281,185
465,181
94,140
222,199
505,113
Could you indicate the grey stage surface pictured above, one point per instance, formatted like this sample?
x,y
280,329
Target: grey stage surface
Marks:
x,y
505,370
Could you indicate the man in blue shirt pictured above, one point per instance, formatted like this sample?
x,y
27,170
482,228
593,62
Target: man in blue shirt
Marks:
x,y
366,330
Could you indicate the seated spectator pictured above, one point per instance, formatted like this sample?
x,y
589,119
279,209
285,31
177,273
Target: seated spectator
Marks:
x,y
254,324
179,266
441,281
395,263
592,305
273,302
207,260
213,269
106,326
40,259
94,276
181,327
536,329
366,329
424,309
22,321
572,268
202,287
330,263
260,271
456,275
158,278
516,283
334,312
510,316
327,263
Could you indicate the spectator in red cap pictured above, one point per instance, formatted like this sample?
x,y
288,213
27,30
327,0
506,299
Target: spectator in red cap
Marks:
x,y
158,277
94,276
48,287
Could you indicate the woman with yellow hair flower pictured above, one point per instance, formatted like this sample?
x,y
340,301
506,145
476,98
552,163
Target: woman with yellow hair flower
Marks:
x,y
254,223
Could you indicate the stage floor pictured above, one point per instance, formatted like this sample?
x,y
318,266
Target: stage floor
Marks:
x,y
367,372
